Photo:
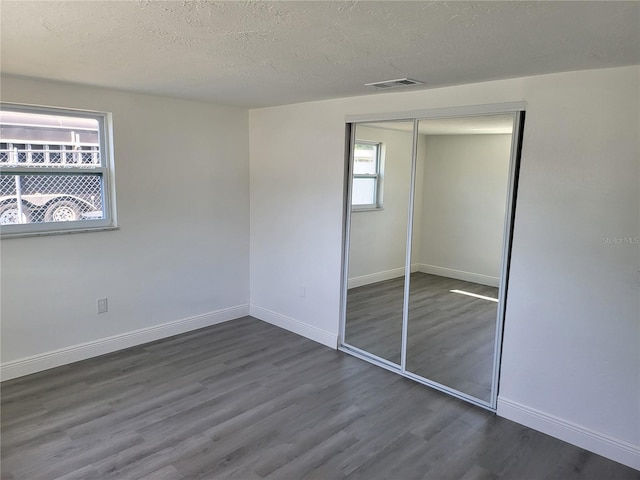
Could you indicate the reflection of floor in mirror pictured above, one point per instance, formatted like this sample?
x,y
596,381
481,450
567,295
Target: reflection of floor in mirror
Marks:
x,y
450,337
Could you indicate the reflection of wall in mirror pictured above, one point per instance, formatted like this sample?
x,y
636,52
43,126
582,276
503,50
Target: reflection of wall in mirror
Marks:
x,y
460,206
460,198
378,238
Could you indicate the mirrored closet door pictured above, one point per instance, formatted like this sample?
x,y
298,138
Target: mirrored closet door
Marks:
x,y
429,216
380,195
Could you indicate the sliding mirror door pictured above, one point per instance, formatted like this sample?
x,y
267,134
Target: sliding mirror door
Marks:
x,y
428,235
460,206
381,162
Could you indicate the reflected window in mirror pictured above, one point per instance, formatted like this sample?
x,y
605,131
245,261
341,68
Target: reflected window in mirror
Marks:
x,y
367,176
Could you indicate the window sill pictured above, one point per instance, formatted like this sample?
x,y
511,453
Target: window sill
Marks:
x,y
8,236
367,209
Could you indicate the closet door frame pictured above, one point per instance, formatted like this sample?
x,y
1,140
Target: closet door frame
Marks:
x,y
517,109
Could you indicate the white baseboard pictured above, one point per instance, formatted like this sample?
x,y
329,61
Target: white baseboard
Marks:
x,y
421,267
459,274
375,277
75,353
597,442
296,326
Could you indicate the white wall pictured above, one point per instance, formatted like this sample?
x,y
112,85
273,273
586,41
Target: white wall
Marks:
x,y
181,251
379,237
464,182
571,360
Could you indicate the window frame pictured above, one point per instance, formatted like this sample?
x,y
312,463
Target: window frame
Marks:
x,y
105,170
377,177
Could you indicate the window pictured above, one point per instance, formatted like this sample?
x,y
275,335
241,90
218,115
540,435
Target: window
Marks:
x,y
366,176
55,171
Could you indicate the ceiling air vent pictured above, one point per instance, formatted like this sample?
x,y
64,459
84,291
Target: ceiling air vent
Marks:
x,y
398,82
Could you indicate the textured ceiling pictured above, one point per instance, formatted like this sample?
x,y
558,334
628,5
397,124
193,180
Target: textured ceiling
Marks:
x,y
256,54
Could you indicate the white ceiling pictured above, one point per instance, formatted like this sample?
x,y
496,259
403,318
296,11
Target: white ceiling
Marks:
x,y
255,54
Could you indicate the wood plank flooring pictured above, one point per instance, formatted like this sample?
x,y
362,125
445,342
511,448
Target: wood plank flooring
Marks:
x,y
246,400
450,336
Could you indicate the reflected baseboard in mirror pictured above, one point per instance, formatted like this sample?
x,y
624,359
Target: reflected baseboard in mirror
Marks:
x,y
450,337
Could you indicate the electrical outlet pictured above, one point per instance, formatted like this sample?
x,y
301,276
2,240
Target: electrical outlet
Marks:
x,y
103,305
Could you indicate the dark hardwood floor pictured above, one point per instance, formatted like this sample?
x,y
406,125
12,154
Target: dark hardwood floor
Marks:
x,y
450,336
246,400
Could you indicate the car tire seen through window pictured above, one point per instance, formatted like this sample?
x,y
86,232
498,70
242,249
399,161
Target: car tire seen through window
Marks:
x,y
62,211
10,213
